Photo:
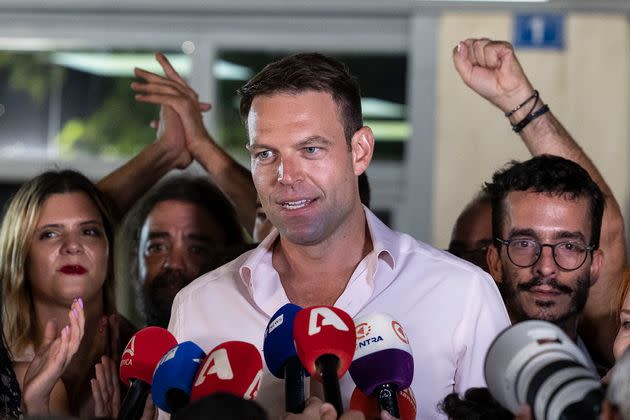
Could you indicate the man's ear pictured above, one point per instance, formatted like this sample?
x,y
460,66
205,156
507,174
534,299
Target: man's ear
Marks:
x,y
493,259
362,148
596,265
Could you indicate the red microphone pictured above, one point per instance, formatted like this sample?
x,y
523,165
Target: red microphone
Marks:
x,y
325,341
141,356
234,367
369,405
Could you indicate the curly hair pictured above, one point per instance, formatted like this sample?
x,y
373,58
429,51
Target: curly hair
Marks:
x,y
545,174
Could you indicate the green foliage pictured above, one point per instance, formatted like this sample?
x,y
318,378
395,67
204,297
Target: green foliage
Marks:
x,y
119,128
31,73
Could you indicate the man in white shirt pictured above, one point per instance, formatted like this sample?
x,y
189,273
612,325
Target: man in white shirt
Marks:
x,y
308,145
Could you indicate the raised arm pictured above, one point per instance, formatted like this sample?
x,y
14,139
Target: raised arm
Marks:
x,y
233,179
491,69
129,182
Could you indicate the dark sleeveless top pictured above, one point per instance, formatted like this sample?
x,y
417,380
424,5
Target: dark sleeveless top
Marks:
x,y
10,398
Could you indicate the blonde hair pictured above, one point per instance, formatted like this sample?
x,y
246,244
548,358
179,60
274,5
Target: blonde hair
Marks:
x,y
22,214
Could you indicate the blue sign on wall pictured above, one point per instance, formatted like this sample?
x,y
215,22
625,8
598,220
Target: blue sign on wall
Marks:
x,y
539,31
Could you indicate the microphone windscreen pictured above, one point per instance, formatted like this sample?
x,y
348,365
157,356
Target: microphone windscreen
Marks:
x,y
278,346
368,405
143,353
174,375
321,330
234,367
383,354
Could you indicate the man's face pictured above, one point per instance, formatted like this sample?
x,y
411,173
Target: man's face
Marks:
x,y
178,242
304,172
472,234
544,291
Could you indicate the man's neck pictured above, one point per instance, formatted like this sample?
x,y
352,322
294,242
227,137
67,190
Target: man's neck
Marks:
x,y
318,274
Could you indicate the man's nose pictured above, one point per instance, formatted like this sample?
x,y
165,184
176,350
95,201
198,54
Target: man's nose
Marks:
x,y
175,259
289,171
546,264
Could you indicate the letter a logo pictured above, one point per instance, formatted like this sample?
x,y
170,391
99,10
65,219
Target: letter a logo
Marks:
x,y
323,316
218,364
252,390
130,349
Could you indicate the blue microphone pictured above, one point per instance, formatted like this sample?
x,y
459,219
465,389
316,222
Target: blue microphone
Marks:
x,y
282,359
174,375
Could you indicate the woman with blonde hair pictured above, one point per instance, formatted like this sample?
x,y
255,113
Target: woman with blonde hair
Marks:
x,y
56,245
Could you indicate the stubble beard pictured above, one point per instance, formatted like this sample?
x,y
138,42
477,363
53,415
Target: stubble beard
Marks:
x,y
546,310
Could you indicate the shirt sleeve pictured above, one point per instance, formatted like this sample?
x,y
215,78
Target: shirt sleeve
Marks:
x,y
483,317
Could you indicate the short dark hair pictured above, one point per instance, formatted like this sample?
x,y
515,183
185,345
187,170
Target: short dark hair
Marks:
x,y
546,174
199,191
302,72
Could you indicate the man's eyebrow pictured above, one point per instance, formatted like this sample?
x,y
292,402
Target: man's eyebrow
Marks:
x,y
564,234
199,237
570,235
522,232
158,235
313,140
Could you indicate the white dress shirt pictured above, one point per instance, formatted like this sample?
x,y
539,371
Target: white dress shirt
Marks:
x,y
450,311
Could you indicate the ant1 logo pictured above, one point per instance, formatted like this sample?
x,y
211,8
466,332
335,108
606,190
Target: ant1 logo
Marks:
x,y
399,332
320,317
363,330
130,349
252,390
218,364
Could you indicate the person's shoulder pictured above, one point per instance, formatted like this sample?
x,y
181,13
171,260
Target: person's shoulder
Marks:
x,y
435,258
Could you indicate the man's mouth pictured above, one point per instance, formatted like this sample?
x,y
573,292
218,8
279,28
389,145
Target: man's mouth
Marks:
x,y
294,205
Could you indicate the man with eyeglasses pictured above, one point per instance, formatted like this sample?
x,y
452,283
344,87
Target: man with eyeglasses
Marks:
x,y
491,69
546,222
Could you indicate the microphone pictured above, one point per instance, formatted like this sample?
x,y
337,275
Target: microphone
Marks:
x,y
141,356
383,362
282,359
173,377
234,367
369,406
325,341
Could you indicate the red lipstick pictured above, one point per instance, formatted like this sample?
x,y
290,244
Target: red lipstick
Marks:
x,y
73,269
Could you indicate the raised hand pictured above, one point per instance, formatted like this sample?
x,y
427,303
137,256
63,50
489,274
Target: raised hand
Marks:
x,y
491,69
106,389
52,357
177,99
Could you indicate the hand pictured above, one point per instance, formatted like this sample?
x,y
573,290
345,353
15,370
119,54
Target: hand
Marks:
x,y
175,95
524,413
491,69
316,409
106,389
51,360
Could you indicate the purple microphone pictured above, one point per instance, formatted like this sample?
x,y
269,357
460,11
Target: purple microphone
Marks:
x,y
383,362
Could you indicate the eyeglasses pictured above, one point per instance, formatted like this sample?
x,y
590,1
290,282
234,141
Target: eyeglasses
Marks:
x,y
526,252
